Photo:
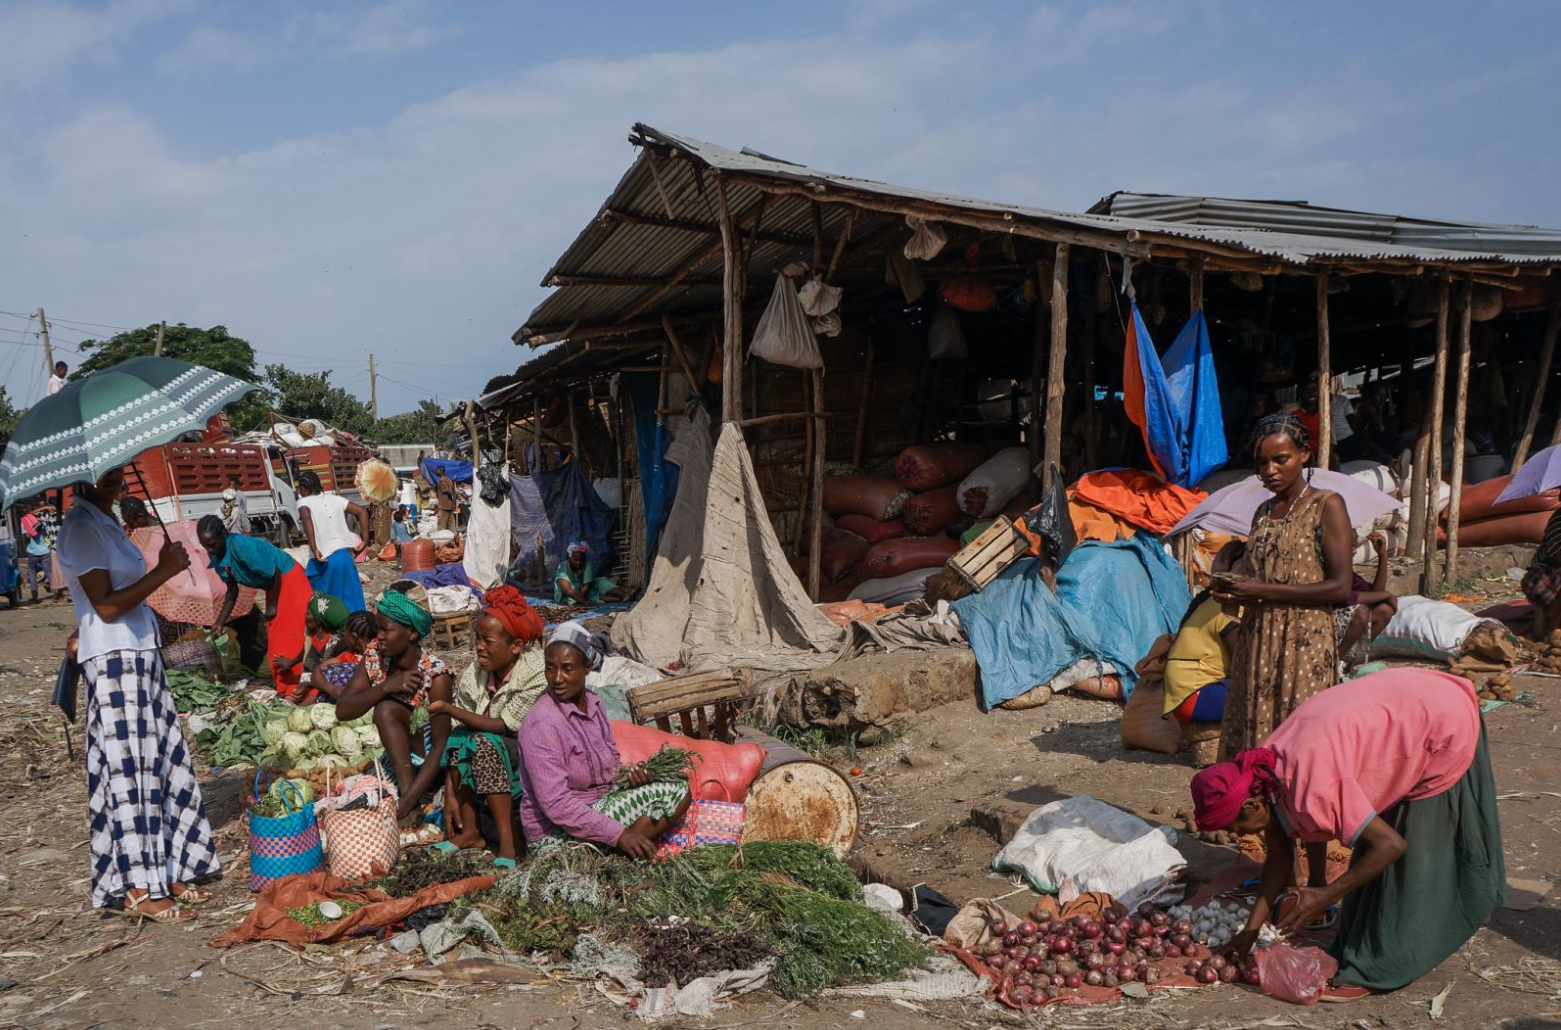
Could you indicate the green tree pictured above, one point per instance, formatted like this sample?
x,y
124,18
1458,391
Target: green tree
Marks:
x,y
301,395
9,417
420,426
215,348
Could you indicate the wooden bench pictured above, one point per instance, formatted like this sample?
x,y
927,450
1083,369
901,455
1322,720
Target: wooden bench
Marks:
x,y
706,704
450,628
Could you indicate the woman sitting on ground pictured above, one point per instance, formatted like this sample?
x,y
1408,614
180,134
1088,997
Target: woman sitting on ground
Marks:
x,y
491,700
259,564
325,640
1542,582
332,570
1394,765
335,671
397,677
576,581
1197,666
569,762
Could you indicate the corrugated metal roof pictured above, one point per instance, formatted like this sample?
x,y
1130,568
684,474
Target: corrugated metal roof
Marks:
x,y
662,220
1299,217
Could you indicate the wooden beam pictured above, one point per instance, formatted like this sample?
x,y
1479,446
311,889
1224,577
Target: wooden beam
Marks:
x,y
1417,489
1460,417
816,508
1323,445
1056,374
732,303
542,335
795,239
1195,284
536,439
677,349
1547,351
782,417
840,245
628,281
1430,578
816,213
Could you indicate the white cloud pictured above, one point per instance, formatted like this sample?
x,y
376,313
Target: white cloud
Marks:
x,y
43,40
379,30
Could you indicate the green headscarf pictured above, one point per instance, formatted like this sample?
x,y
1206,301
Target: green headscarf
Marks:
x,y
402,609
329,612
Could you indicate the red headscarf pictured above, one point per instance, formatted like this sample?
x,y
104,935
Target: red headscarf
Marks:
x,y
1219,791
506,604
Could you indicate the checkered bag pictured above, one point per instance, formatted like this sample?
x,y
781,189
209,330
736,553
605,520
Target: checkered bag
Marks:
x,y
705,822
362,834
286,844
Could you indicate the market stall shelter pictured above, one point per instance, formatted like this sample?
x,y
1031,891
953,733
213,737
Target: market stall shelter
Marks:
x,y
671,276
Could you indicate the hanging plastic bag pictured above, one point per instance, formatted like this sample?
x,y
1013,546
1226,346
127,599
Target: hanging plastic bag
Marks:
x,y
901,271
1051,521
784,335
829,325
927,239
945,338
1296,975
818,297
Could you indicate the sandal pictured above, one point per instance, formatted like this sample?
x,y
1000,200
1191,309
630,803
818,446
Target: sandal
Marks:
x,y
192,895
1344,993
504,863
171,914
446,848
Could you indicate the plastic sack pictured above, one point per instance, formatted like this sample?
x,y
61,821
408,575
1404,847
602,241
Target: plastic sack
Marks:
x,y
818,298
1479,501
1296,975
892,557
1498,531
985,491
927,466
870,529
839,552
972,926
1423,628
783,336
932,511
927,239
877,497
1099,848
902,272
828,325
893,590
1144,722
945,338
969,294
1051,521
724,772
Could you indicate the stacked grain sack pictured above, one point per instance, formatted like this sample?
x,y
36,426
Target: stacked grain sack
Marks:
x,y
1484,523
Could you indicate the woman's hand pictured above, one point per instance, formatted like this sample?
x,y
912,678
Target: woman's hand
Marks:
x,y
638,775
637,845
172,558
73,644
407,686
1379,543
1310,904
442,707
1240,945
270,612
1238,590
298,693
319,555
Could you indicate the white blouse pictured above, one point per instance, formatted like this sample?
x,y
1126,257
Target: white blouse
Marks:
x,y
328,512
90,540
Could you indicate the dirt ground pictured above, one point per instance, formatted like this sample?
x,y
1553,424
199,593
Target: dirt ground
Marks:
x,y
926,798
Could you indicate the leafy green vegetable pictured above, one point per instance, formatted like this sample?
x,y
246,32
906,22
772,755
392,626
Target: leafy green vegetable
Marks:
x,y
192,693
667,764
240,739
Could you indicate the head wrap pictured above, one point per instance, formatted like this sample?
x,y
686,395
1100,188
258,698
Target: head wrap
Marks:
x,y
401,608
579,547
1219,791
519,619
328,611
593,645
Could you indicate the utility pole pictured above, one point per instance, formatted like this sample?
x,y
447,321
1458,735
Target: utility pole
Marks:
x,y
162,330
48,350
373,390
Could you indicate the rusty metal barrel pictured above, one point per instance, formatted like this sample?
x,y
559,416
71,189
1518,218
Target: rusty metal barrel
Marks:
x,y
796,797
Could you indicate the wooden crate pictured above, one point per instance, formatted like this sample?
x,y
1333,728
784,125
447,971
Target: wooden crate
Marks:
x,y
450,628
706,704
980,561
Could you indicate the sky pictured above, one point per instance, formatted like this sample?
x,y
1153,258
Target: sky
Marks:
x,y
331,179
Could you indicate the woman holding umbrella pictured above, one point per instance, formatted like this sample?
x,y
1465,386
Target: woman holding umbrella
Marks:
x,y
149,835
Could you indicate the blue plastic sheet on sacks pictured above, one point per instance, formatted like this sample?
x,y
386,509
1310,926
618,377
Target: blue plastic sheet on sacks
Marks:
x,y
658,477
1113,601
460,471
556,507
1184,428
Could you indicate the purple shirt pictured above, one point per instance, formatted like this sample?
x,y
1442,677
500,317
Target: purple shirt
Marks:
x,y
567,762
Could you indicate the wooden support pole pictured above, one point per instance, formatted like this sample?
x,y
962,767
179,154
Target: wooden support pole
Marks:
x,y
1547,351
861,412
1460,417
48,348
1417,490
1430,579
1195,284
1037,371
816,212
840,244
1056,372
677,349
536,438
162,334
1323,445
732,303
764,420
816,507
805,502
574,430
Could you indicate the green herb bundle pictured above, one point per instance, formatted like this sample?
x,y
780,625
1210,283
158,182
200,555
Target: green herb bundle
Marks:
x,y
665,766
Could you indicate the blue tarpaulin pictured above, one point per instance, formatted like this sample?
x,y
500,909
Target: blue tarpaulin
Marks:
x,y
460,471
553,508
1175,400
1113,601
658,477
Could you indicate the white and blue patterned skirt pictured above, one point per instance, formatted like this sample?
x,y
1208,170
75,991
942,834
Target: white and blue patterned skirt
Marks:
x,y
148,823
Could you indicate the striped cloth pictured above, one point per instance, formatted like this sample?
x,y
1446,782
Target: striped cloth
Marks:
x,y
628,805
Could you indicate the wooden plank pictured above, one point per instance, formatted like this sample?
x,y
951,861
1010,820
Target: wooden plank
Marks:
x,y
1429,577
1195,284
1460,417
1547,351
1323,446
782,417
840,245
682,356
1056,373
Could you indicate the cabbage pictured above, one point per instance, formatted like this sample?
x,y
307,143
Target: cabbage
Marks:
x,y
305,791
273,730
346,741
293,745
332,762
298,720
366,719
319,743
322,715
368,737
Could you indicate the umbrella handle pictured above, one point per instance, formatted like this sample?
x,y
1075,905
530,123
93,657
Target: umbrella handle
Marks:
x,y
152,507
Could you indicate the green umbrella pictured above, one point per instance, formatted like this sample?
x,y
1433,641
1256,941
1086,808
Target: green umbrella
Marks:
x,y
104,420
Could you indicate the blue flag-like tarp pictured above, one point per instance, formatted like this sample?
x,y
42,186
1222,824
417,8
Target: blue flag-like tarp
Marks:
x,y
459,471
1175,400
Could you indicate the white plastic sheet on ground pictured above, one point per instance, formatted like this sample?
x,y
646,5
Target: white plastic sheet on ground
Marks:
x,y
701,997
488,541
721,593
1098,848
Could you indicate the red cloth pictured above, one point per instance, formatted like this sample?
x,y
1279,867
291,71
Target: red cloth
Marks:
x,y
285,633
510,607
1144,500
1219,791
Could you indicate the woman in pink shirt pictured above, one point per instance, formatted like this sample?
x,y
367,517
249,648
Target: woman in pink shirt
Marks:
x,y
1394,765
569,762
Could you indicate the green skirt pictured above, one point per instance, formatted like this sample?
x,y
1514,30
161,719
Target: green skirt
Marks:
x,y
460,752
1423,907
628,805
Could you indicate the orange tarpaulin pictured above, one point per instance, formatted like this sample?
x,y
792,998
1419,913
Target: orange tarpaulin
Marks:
x,y
1144,500
269,921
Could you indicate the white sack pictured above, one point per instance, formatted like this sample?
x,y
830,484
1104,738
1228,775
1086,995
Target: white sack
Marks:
x,y
1098,848
1423,628
487,554
1003,475
893,590
784,335
818,298
927,239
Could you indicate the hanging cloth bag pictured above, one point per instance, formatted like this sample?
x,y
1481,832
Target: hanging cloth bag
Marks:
x,y
784,335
